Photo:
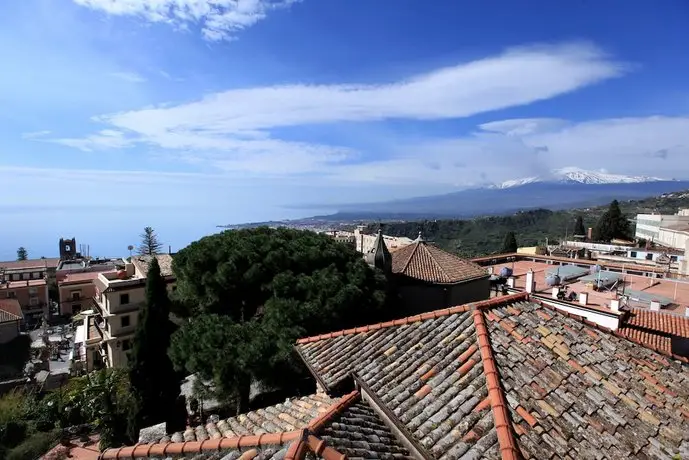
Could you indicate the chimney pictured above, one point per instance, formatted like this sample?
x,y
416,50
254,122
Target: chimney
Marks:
x,y
589,233
615,305
583,298
655,305
530,283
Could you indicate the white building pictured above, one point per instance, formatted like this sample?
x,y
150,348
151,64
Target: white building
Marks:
x,y
665,230
119,297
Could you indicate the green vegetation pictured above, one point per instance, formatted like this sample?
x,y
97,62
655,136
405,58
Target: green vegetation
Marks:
x,y
579,226
510,243
22,253
150,244
485,235
249,294
31,423
155,384
612,224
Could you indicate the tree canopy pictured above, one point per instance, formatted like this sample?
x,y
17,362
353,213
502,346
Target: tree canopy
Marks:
x,y
579,226
251,293
155,384
510,243
150,244
612,224
22,253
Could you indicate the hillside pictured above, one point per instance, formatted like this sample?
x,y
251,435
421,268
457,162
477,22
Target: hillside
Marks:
x,y
481,236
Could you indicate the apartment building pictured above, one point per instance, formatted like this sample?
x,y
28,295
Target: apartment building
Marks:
x,y
11,316
118,297
664,229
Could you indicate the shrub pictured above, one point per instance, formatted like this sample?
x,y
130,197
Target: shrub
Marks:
x,y
34,446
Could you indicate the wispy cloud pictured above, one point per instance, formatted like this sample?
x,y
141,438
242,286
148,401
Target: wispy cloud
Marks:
x,y
131,77
234,130
35,134
219,19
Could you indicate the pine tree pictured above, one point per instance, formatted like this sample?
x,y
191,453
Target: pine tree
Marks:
x,y
612,224
22,253
149,242
579,226
155,384
510,244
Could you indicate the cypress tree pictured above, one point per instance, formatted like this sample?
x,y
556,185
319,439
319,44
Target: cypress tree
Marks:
x,y
154,382
510,244
579,226
612,224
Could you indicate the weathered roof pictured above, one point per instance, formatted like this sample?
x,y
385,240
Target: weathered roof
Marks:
x,y
10,310
80,278
30,263
426,262
348,427
654,328
143,262
293,414
558,387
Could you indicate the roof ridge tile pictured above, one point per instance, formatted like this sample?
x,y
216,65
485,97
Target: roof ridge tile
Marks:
x,y
488,303
498,402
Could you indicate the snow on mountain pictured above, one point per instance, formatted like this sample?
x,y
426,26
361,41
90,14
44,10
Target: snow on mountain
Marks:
x,y
581,176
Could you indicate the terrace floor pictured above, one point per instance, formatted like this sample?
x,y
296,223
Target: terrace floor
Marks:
x,y
676,290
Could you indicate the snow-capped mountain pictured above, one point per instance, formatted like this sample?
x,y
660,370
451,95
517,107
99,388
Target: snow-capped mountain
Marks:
x,y
580,176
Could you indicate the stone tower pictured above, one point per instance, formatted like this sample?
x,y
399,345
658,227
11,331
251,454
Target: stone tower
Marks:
x,y
68,248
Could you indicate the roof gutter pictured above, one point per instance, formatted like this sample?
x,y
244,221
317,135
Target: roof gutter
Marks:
x,y
400,431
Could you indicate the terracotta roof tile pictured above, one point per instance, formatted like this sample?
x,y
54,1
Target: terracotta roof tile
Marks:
x,y
51,262
164,260
293,414
10,310
654,329
586,395
437,410
429,263
347,427
516,379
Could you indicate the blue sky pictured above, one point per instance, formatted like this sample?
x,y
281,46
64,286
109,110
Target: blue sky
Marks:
x,y
184,114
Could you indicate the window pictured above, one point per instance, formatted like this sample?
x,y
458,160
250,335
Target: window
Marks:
x,y
125,321
15,277
649,256
632,254
673,258
33,291
126,345
124,299
36,275
26,276
11,295
76,295
33,301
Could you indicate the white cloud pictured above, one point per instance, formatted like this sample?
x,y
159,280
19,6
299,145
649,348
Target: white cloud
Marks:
x,y
130,77
232,129
35,134
655,146
104,139
219,19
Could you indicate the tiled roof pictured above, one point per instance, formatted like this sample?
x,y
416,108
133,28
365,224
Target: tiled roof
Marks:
x,y
429,263
31,263
77,278
164,260
348,427
428,371
557,387
654,329
293,414
10,310
574,390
